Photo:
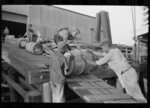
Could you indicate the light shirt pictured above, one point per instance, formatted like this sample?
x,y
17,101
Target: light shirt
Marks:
x,y
116,61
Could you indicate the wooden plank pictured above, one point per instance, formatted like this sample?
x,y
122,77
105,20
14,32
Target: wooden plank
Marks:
x,y
113,91
14,96
83,78
103,84
95,91
33,96
85,84
16,86
29,87
93,84
38,76
78,87
91,76
99,98
82,92
105,91
121,101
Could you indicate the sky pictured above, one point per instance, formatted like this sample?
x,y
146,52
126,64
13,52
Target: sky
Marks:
x,y
120,20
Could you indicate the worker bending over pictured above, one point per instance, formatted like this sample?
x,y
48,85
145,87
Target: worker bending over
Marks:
x,y
125,72
57,72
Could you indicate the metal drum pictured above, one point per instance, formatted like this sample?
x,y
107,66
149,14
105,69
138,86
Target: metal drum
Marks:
x,y
34,48
77,64
22,43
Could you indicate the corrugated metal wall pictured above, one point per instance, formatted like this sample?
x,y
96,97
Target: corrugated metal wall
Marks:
x,y
47,19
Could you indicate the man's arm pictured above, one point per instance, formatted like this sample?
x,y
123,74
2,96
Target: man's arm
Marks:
x,y
103,60
91,62
88,61
99,62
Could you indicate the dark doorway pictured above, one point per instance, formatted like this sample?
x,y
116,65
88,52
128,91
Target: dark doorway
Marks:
x,y
15,28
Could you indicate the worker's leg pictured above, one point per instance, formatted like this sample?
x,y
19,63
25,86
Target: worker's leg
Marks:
x,y
131,85
119,86
47,92
57,92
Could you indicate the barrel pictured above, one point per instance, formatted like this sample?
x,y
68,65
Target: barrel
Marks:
x,y
22,43
34,48
77,64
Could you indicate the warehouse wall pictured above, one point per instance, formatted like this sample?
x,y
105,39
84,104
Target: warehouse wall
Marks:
x,y
47,19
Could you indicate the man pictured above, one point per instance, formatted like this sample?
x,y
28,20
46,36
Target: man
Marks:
x,y
29,32
39,37
57,72
5,57
126,74
5,33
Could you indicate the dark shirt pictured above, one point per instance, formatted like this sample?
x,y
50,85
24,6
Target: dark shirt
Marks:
x,y
57,67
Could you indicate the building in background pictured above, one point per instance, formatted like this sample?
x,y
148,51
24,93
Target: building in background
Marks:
x,y
46,19
15,18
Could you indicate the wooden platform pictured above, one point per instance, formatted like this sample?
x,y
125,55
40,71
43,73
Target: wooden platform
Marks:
x,y
27,64
94,90
27,73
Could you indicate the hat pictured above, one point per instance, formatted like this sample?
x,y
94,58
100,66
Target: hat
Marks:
x,y
101,45
62,27
96,46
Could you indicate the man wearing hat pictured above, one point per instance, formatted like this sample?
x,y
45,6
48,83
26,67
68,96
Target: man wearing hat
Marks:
x,y
125,72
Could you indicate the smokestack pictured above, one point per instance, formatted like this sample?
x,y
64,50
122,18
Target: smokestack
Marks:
x,y
97,30
105,32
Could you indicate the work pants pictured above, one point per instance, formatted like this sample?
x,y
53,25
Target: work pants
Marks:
x,y
131,85
57,92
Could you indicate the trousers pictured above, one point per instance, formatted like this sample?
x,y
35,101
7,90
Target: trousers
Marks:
x,y
131,85
57,92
